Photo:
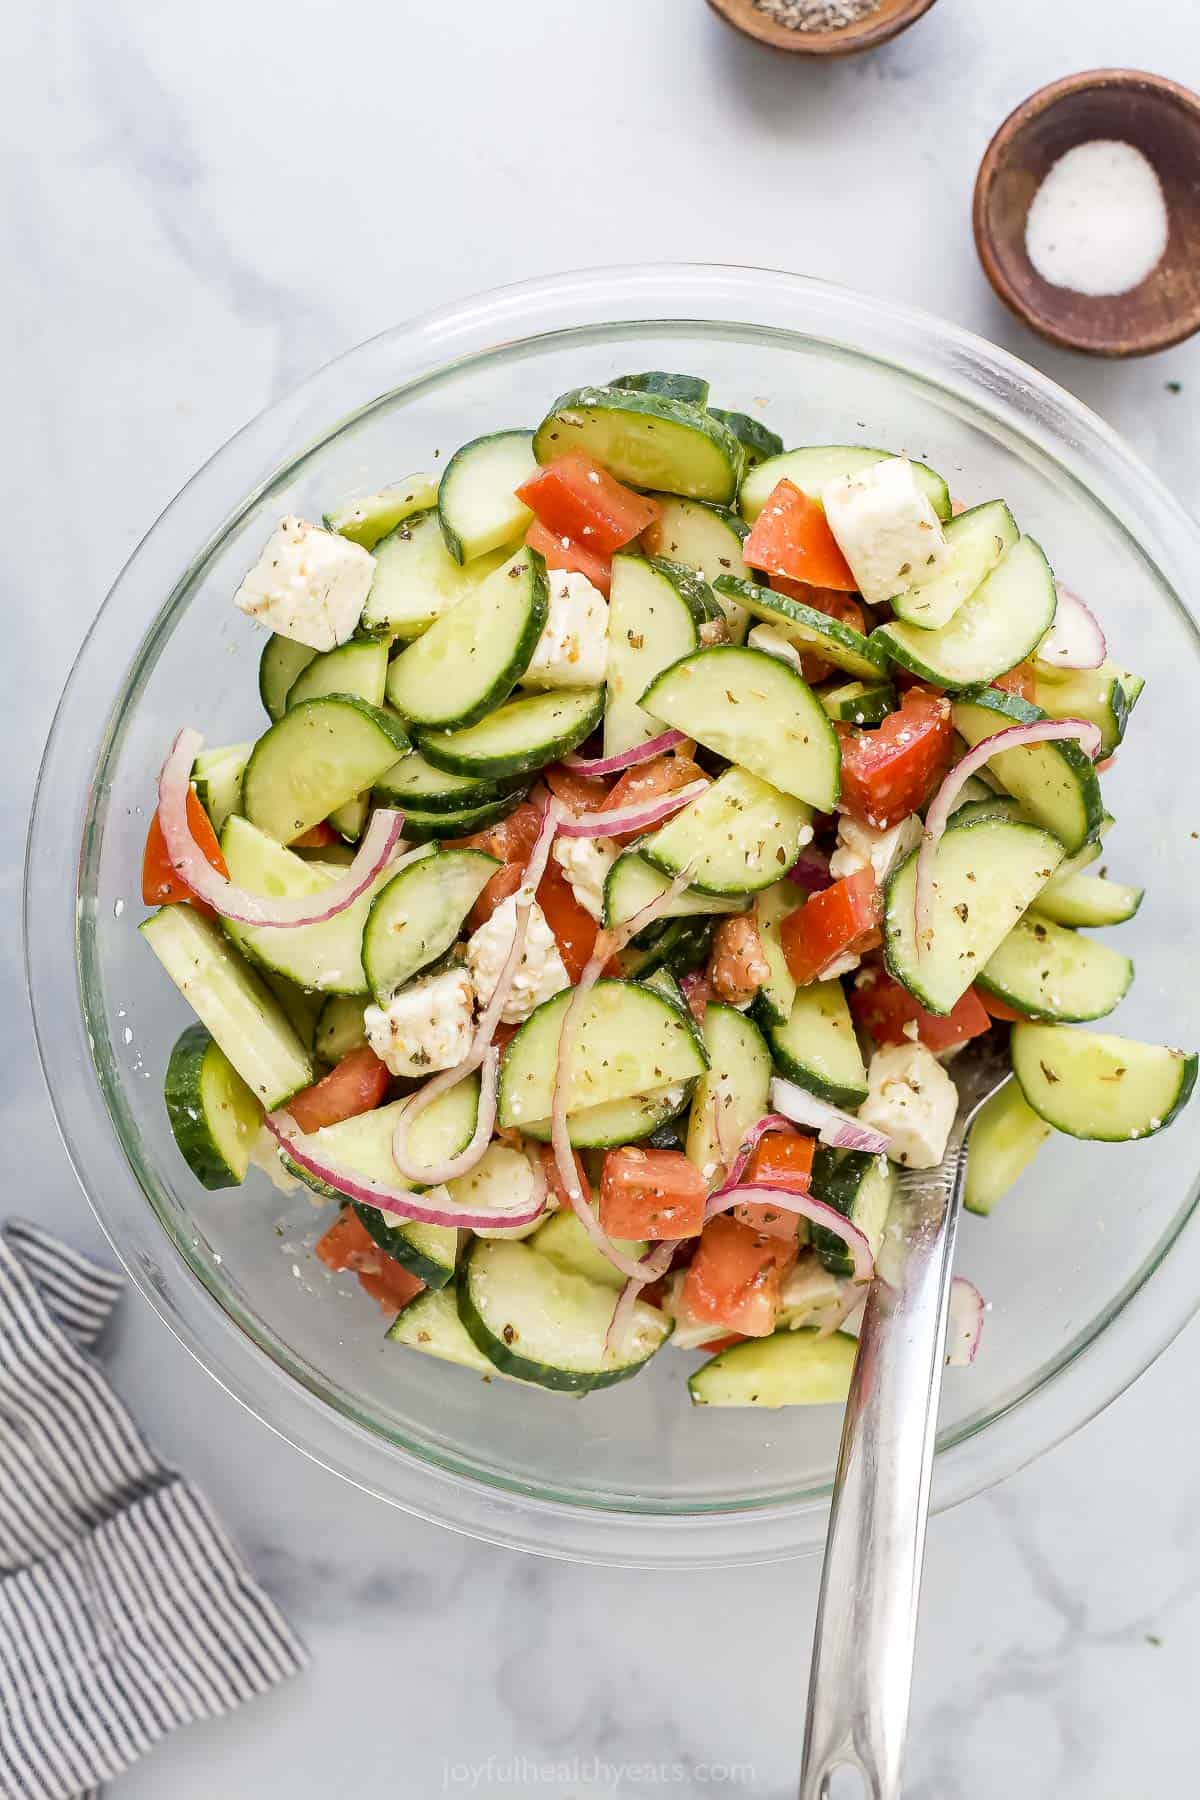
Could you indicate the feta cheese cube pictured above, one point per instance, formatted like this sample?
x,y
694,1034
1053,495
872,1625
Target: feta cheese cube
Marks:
x,y
572,651
585,862
766,637
862,847
541,972
428,1025
308,584
885,528
912,1099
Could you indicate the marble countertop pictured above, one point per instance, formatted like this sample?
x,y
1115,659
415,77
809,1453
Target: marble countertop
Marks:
x,y
199,209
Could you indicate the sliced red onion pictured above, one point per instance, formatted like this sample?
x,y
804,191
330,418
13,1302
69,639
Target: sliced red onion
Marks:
x,y
1075,640
768,1122
692,985
817,1212
656,1262
627,759
192,866
810,871
433,1174
831,1126
631,818
1014,737
965,1326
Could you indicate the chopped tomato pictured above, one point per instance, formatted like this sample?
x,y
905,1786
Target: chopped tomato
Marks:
x,y
577,793
554,1179
504,1034
882,1008
1020,680
160,884
651,1194
890,770
511,839
349,1245
782,1159
357,1085
791,536
575,497
573,926
998,1009
650,781
842,920
565,554
737,967
317,837
735,1278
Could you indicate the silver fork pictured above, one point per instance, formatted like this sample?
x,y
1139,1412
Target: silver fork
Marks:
x,y
866,1627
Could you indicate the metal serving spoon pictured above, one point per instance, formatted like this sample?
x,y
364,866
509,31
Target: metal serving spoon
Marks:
x,y
866,1626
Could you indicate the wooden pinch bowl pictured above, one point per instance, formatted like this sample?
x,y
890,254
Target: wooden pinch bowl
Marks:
x,y
887,21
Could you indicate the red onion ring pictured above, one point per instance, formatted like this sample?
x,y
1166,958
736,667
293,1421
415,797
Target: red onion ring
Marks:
x,y
809,1207
631,818
191,865
656,1262
1075,640
965,1326
831,1126
627,759
768,1122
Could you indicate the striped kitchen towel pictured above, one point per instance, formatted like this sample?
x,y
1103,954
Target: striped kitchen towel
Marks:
x,y
125,1610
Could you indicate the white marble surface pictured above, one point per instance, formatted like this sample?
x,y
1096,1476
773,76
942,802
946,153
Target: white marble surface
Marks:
x,y
200,205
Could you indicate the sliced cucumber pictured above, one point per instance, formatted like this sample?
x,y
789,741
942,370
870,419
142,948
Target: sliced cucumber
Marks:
x,y
789,1368
1046,972
340,1027
1001,624
217,779
417,580
628,1041
426,827
1093,1085
813,468
350,820
279,666
676,945
564,1241
809,630
758,441
1056,783
415,782
632,883
998,806
226,995
859,702
986,874
416,916
651,624
733,1095
777,994
1096,694
540,1322
1005,1138
470,660
976,541
315,759
648,440
526,733
477,500
301,1008
430,1323
817,1047
213,1114
691,388
706,538
753,709
374,516
627,1121
859,1186
1083,900
737,837
359,667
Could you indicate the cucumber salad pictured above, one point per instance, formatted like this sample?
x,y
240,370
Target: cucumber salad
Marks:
x,y
644,815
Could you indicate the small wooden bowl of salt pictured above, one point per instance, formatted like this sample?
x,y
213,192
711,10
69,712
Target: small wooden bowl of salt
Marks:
x,y
1087,212
821,27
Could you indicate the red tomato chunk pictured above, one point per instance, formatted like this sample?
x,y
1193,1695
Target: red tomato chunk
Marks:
x,y
882,1008
890,770
791,537
735,1277
842,920
651,1194
575,497
357,1085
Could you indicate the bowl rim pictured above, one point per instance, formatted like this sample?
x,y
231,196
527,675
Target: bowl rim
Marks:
x,y
1134,1329
848,40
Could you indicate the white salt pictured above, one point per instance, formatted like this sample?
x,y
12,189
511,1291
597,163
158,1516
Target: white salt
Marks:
x,y
1098,223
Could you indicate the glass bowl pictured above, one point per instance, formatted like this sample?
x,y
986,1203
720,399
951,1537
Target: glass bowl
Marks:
x,y
1090,1268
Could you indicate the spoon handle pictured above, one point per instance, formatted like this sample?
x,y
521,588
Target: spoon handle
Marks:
x,y
866,1625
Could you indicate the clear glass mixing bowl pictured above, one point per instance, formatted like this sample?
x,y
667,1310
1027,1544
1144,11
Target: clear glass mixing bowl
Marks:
x,y
1091,1267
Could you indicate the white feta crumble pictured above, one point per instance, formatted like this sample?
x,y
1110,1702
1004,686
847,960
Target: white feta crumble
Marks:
x,y
501,1178
912,1099
541,973
428,1025
310,585
862,847
766,637
885,528
586,862
573,648
841,965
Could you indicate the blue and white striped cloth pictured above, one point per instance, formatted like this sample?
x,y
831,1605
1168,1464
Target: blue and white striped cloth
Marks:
x,y
125,1610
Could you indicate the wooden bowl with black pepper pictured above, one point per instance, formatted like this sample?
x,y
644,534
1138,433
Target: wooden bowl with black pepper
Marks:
x,y
800,25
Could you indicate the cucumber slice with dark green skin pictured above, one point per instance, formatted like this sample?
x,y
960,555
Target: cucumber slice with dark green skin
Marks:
x,y
217,779
1005,1138
524,734
374,516
817,1047
738,837
226,995
705,606
632,883
1056,783
777,994
647,440
733,1095
976,540
279,667
1001,624
417,580
693,389
757,440
1088,900
756,711
415,782
563,1239
999,806
340,1027
317,757
477,500
986,873
1046,972
812,468
470,660
359,667
629,1041
423,827
417,915
628,1121
213,1114
430,1323
707,539
859,702
538,1321
1096,694
789,1368
679,945
651,624
859,1186
1093,1085
810,630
